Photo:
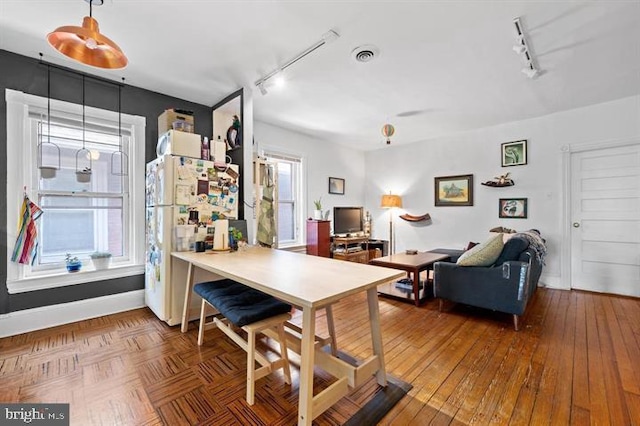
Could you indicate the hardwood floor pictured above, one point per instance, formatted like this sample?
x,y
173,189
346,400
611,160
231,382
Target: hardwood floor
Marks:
x,y
575,361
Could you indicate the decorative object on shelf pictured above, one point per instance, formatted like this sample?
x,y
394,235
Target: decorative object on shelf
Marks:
x,y
367,224
119,158
514,153
317,213
391,201
387,131
48,152
500,181
83,174
86,45
502,230
73,263
411,218
512,208
453,190
100,260
411,251
336,186
234,137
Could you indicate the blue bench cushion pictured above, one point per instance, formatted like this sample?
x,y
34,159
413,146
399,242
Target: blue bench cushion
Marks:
x,y
238,303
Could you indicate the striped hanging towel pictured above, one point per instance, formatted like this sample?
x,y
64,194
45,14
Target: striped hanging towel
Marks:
x,y
26,246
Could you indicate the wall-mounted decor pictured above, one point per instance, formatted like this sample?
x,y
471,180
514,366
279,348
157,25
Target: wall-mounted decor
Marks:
x,y
454,190
512,208
514,153
336,186
500,181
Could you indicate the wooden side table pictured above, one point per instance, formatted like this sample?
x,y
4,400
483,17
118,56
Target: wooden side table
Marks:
x,y
414,264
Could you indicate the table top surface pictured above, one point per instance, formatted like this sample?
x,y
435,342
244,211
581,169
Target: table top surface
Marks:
x,y
421,259
296,278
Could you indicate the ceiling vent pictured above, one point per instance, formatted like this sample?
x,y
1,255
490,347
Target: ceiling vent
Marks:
x,y
366,53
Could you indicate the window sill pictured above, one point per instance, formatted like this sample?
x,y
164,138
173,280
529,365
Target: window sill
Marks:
x,y
66,279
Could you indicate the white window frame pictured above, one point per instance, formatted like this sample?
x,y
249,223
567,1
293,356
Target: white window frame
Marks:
x,y
21,151
298,194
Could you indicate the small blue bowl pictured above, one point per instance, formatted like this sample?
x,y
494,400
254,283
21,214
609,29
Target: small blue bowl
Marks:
x,y
73,267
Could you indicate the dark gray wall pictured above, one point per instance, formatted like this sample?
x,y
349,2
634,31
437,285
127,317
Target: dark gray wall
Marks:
x,y
28,75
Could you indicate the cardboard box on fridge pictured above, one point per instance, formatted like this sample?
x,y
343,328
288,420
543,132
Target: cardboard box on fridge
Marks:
x,y
169,116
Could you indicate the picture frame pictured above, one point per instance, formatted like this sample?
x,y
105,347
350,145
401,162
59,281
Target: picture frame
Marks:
x,y
336,186
512,208
514,153
453,190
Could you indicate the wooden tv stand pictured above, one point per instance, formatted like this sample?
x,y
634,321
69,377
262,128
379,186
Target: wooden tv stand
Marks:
x,y
364,255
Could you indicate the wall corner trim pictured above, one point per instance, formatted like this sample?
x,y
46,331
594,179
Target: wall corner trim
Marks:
x,y
19,322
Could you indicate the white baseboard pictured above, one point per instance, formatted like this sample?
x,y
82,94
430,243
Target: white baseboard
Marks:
x,y
552,281
50,316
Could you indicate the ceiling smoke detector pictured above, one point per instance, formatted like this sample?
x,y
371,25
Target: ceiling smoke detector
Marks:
x,y
366,53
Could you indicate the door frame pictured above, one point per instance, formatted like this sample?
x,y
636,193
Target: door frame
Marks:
x,y
567,150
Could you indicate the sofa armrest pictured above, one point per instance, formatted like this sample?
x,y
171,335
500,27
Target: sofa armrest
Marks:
x,y
502,288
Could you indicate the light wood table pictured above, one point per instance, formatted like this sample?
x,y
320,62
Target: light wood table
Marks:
x,y
414,264
310,283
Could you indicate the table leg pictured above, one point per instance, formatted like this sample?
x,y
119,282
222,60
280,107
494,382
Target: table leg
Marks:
x,y
416,286
376,335
187,299
305,396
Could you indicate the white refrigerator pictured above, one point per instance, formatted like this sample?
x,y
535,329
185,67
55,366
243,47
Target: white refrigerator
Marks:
x,y
184,198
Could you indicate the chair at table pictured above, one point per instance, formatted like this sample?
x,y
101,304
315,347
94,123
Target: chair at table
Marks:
x,y
252,311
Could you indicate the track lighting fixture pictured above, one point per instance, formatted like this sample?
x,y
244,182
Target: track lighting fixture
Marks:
x,y
327,37
522,48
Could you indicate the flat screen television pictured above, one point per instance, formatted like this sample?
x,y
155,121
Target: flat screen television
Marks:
x,y
347,220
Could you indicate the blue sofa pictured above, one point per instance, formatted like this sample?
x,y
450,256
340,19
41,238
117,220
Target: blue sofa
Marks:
x,y
507,286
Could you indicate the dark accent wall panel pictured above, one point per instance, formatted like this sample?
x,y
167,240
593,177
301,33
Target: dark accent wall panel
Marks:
x,y
28,75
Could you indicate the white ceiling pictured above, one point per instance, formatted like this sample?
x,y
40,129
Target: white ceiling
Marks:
x,y
444,66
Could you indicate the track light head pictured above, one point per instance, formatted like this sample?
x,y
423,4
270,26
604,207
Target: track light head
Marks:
x,y
530,71
519,48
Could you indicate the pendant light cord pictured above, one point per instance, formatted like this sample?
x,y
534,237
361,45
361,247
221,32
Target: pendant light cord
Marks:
x,y
120,116
83,114
48,103
91,8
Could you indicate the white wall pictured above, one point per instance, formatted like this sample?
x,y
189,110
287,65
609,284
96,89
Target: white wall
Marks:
x,y
322,160
409,170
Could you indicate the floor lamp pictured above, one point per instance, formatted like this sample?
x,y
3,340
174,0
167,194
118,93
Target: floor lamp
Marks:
x,y
390,201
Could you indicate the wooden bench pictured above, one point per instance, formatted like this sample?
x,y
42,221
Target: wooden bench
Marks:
x,y
252,311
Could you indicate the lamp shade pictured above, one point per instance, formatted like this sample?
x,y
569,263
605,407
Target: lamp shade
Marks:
x,y
85,44
391,201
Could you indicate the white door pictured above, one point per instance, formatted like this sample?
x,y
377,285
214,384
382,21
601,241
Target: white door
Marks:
x,y
605,209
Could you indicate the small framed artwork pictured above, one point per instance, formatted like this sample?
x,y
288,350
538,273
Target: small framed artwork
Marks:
x,y
454,190
512,208
336,186
514,153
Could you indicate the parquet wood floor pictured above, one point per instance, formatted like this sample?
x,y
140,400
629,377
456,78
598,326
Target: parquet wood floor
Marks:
x,y
575,361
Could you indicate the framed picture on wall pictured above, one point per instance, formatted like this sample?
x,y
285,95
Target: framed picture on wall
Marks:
x,y
336,186
512,208
514,153
454,190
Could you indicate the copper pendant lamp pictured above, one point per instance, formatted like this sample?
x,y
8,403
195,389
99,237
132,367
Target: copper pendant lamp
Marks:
x,y
85,44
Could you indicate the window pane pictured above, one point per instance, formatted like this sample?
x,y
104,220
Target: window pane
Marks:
x,y
285,181
95,154
286,229
79,225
